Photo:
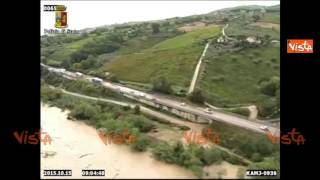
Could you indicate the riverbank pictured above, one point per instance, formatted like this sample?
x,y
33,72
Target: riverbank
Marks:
x,y
77,146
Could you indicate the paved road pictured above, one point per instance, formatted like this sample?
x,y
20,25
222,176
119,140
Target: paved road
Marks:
x,y
196,72
224,34
196,110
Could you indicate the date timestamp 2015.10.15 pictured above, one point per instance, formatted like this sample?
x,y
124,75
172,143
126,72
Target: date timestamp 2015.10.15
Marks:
x,y
57,172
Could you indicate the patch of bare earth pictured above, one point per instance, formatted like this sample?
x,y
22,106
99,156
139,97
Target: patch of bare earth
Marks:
x,y
266,25
224,170
194,26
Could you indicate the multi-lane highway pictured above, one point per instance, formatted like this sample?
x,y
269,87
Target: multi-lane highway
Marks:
x,y
192,109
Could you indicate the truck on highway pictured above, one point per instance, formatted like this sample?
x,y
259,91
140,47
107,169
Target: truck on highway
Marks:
x,y
57,70
60,70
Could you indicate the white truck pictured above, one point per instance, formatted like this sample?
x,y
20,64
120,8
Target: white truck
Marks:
x,y
57,70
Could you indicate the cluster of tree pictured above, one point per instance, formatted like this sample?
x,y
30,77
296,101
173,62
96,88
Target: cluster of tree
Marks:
x,y
155,27
47,41
162,85
197,97
177,154
256,17
83,111
193,157
250,145
113,78
270,87
48,94
188,19
270,109
92,49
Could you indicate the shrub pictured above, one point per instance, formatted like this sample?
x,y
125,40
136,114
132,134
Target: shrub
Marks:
x,y
257,61
256,157
234,160
211,156
196,96
140,122
267,108
113,78
136,109
161,85
83,111
140,143
164,153
271,86
273,60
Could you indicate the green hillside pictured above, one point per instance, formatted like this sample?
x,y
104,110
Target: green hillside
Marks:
x,y
235,78
233,73
174,59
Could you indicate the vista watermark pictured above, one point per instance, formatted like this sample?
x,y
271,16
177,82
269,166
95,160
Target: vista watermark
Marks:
x,y
200,138
25,137
116,138
292,137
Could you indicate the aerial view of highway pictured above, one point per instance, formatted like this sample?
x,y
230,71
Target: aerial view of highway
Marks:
x,y
194,93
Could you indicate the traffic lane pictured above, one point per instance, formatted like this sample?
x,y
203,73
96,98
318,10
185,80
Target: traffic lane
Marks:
x,y
218,116
215,116
195,110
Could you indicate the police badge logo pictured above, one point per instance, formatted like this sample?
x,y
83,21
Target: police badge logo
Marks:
x,y
61,17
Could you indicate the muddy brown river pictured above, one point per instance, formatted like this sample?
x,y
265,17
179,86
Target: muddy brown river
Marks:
x,y
77,146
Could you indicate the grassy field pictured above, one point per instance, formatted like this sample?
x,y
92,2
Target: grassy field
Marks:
x,y
232,78
271,17
174,58
237,29
65,50
140,43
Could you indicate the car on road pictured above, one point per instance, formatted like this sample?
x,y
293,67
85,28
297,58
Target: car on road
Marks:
x,y
265,128
208,110
79,74
150,98
183,104
96,80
